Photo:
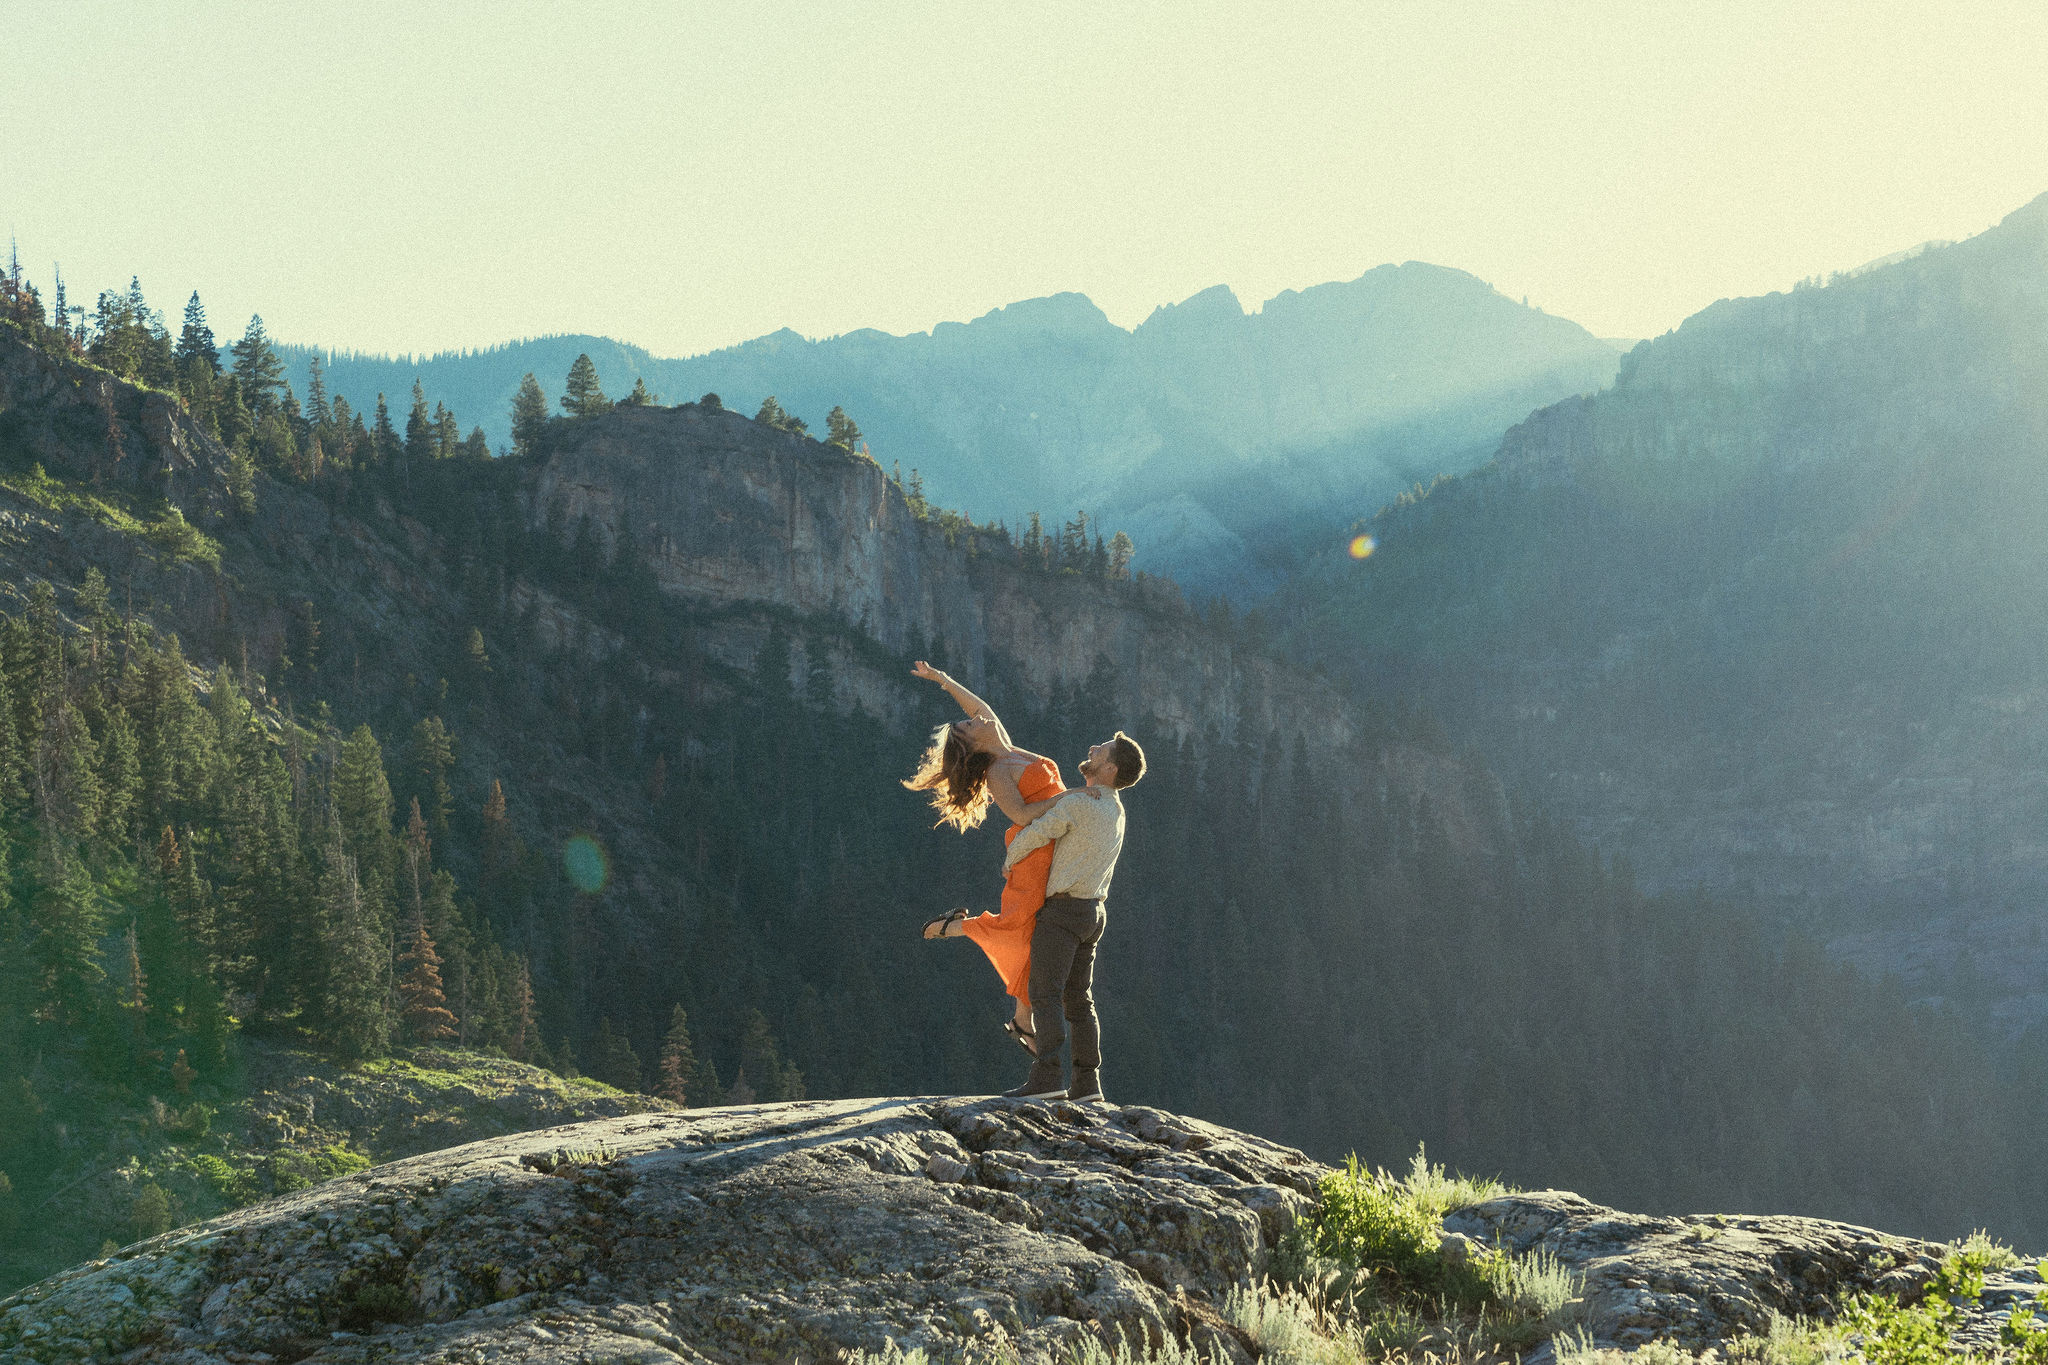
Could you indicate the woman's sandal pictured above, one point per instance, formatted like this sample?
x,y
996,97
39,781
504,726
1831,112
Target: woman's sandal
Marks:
x,y
945,922
1026,1039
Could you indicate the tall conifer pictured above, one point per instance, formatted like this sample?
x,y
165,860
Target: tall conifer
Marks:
x,y
257,367
585,397
676,1066
423,1003
529,416
195,340
354,1017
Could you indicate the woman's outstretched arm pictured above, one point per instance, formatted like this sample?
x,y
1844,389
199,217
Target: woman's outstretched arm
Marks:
x,y
974,706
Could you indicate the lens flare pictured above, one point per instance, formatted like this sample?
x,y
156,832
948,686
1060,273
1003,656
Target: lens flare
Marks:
x,y
1361,546
583,859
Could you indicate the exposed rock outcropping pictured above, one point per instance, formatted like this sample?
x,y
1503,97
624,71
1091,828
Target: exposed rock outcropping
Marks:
x,y
808,1230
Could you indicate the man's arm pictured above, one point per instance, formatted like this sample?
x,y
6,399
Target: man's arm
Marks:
x,y
1041,831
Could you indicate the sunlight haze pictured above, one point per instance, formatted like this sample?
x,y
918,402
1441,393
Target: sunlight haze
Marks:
x,y
413,178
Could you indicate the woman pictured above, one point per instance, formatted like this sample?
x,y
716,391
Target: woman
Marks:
x,y
971,763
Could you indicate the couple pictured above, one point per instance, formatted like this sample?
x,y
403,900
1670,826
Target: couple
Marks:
x,y
1062,849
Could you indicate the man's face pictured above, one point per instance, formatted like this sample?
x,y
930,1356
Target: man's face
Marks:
x,y
1100,765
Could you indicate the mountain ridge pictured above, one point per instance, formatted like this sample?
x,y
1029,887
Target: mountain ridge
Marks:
x,y
1322,400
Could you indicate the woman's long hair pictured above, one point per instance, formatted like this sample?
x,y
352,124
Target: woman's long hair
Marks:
x,y
957,778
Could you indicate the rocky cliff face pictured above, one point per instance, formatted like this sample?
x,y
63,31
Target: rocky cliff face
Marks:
x,y
730,514
962,1227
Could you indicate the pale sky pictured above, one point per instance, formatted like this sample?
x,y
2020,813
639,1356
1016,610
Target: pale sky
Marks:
x,y
426,176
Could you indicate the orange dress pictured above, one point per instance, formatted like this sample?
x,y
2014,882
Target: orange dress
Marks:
x,y
1006,935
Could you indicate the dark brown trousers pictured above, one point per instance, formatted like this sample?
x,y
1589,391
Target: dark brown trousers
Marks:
x,y
1063,983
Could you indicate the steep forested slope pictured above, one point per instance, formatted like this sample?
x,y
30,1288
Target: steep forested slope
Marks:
x,y
649,688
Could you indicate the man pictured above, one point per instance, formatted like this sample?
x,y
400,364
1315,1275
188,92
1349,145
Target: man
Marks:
x,y
1086,829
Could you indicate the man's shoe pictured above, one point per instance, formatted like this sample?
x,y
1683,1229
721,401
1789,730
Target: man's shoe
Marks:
x,y
1086,1089
1042,1085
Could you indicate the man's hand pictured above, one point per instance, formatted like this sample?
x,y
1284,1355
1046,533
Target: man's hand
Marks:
x,y
924,670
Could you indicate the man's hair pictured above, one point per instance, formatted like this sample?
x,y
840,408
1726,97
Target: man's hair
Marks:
x,y
1130,760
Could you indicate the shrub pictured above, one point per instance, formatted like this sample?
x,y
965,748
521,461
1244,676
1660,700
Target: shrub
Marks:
x,y
1370,1222
191,1123
235,1186
1890,1333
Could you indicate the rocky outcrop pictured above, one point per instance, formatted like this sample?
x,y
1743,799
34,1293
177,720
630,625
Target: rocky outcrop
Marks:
x,y
1700,1280
759,1233
811,1230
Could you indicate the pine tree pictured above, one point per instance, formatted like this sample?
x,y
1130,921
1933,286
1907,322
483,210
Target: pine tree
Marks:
x,y
1073,546
1120,551
423,1004
529,416
384,444
676,1066
190,903
741,1092
639,397
231,414
64,921
356,1023
135,994
120,775
841,431
362,807
585,397
195,340
13,785
432,755
447,433
257,367
419,428
242,478
520,1032
67,783
498,850
774,1079
1034,544
613,1060
475,446
706,1091
317,411
773,415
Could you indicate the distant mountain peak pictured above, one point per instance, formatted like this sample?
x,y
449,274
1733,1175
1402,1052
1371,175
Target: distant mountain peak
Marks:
x,y
2034,212
1063,312
1217,303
